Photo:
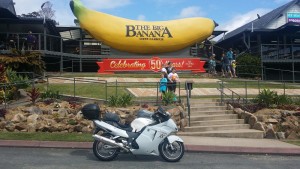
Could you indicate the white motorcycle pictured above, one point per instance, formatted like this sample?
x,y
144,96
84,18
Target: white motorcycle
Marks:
x,y
148,134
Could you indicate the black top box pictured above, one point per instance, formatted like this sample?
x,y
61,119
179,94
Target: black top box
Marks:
x,y
91,111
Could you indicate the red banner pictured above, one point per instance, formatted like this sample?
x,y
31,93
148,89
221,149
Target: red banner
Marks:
x,y
150,64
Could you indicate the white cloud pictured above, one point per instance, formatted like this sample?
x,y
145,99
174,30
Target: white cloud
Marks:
x,y
242,19
105,4
192,11
27,6
141,17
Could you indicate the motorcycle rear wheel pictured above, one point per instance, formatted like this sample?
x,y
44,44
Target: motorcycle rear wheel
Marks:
x,y
171,152
103,151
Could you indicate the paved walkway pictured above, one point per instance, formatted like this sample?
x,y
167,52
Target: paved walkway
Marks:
x,y
192,144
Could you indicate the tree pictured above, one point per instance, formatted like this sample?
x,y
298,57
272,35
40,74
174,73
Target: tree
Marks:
x,y
46,11
248,66
32,15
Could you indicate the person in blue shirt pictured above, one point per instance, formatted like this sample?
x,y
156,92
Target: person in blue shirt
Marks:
x,y
163,84
230,55
226,66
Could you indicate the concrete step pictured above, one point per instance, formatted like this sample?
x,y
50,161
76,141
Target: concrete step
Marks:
x,y
203,104
216,127
211,112
214,117
217,122
200,108
192,101
240,133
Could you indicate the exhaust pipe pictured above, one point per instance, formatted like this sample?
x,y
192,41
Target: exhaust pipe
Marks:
x,y
109,142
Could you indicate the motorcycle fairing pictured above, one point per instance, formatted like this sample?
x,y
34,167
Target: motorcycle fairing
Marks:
x,y
111,129
173,138
150,138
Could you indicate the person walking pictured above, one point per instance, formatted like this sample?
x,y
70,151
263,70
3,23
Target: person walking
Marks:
x,y
169,69
212,65
162,84
229,55
233,66
226,66
174,78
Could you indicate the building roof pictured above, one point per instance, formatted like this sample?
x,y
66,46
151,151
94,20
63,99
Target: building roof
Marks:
x,y
262,22
7,9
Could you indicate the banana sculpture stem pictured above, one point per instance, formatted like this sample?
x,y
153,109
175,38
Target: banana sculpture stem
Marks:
x,y
142,37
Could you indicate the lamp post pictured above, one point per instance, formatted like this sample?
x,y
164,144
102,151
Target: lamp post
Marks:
x,y
44,24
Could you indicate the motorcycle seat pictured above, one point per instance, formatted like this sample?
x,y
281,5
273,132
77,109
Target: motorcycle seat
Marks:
x,y
125,127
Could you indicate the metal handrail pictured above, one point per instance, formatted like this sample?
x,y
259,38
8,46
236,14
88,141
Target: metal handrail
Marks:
x,y
188,103
232,93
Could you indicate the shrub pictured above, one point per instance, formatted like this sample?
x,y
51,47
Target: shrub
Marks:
x,y
168,98
248,66
3,112
21,82
73,102
284,100
266,97
50,94
296,101
72,122
120,101
34,94
125,100
113,101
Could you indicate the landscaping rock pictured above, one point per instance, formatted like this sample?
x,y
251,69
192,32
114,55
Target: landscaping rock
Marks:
x,y
62,112
18,118
86,130
292,135
22,93
246,116
32,118
79,116
230,107
78,128
183,115
21,126
252,121
272,121
296,114
270,134
238,111
259,126
34,110
280,135
2,124
10,126
174,111
31,127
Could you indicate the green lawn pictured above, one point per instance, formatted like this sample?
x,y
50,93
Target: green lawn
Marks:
x,y
295,142
46,136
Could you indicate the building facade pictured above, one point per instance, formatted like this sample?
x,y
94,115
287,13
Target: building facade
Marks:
x,y
275,37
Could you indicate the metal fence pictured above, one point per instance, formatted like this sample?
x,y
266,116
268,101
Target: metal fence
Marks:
x,y
91,88
241,91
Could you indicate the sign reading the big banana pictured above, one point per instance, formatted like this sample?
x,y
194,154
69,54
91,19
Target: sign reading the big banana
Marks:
x,y
139,36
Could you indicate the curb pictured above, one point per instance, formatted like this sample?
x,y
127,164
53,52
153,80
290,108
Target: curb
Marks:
x,y
243,150
188,148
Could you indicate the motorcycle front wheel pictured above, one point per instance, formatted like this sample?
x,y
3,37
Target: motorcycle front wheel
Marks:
x,y
103,151
171,152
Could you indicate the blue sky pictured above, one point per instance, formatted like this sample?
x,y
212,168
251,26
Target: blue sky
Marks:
x,y
230,14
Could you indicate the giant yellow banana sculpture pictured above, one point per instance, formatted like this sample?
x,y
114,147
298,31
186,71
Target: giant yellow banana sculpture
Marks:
x,y
139,36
